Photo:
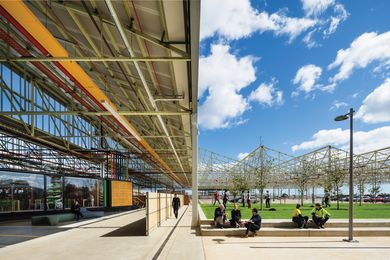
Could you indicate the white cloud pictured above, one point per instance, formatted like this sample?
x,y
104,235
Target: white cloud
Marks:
x,y
267,94
308,39
316,7
337,104
223,75
340,16
241,156
367,48
363,141
306,77
376,106
232,20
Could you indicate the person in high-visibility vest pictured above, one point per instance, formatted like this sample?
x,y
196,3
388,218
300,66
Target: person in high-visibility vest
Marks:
x,y
297,217
320,215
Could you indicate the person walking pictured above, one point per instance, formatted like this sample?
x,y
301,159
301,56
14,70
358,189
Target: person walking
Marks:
x,y
297,217
267,200
326,201
77,210
320,215
175,205
225,198
243,198
253,224
216,198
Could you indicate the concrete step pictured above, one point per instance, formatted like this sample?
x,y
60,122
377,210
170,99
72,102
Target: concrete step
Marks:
x,y
332,223
208,230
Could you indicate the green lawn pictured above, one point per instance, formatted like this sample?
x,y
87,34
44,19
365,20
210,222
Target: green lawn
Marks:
x,y
283,211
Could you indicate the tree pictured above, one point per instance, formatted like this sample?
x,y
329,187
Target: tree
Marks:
x,y
361,179
375,188
261,177
238,183
337,177
302,176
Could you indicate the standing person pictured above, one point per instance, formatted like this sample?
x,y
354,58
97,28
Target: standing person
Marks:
x,y
243,198
219,216
225,198
267,200
176,205
320,215
297,217
216,198
253,224
326,200
248,200
236,217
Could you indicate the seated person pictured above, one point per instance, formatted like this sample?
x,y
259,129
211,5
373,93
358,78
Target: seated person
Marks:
x,y
253,224
219,216
236,217
297,217
320,215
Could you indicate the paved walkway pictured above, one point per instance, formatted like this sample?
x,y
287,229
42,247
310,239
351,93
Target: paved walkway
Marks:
x,y
301,248
109,238
112,238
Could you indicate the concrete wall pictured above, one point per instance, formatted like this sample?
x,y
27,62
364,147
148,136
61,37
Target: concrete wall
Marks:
x,y
158,209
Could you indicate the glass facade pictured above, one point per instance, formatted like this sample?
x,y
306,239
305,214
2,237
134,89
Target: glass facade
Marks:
x,y
21,191
88,192
24,191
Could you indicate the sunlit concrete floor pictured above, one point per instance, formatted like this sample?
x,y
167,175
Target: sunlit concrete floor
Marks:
x,y
112,238
109,238
296,248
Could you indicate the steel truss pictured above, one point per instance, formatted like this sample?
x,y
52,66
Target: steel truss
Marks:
x,y
268,168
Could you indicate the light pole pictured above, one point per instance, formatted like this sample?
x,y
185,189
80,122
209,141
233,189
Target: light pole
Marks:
x,y
350,204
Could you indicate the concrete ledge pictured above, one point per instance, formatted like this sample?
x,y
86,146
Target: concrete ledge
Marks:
x,y
207,230
335,223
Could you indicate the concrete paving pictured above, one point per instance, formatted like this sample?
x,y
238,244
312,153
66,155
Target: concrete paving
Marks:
x,y
107,239
114,238
296,248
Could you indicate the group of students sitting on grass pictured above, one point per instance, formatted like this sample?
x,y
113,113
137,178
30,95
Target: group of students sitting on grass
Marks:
x,y
319,217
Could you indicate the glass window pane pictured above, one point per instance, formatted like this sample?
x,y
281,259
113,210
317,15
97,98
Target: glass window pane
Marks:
x,y
21,191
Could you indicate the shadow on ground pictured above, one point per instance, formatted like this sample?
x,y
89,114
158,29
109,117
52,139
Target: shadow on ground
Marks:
x,y
137,228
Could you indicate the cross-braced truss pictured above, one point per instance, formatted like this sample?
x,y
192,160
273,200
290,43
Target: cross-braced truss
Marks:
x,y
266,167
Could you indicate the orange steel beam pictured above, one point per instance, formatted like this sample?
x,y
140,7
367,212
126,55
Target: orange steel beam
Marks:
x,y
23,15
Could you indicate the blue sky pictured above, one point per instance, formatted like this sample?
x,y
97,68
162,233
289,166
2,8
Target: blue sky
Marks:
x,y
280,71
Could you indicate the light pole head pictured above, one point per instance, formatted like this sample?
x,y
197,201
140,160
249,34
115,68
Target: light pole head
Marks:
x,y
341,118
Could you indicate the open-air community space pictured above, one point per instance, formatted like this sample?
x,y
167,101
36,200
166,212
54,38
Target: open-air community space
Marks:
x,y
194,129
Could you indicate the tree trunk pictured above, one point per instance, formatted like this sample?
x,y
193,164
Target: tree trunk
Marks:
x,y
312,197
337,197
302,194
261,198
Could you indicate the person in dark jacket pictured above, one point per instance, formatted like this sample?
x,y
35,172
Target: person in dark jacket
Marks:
x,y
219,216
77,211
236,217
225,198
267,200
176,205
253,224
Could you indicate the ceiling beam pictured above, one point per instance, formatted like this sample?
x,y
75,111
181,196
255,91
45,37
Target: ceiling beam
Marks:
x,y
95,59
97,113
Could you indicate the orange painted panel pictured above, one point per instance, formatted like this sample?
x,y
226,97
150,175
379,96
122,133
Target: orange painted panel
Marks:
x,y
121,193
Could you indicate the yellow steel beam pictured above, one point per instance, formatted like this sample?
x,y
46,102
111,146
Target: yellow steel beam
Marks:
x,y
23,15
